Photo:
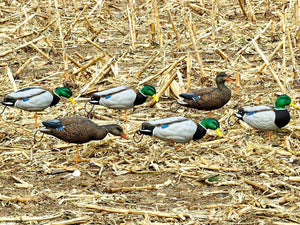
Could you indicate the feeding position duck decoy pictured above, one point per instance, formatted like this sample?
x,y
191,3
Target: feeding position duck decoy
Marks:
x,y
267,118
179,129
208,98
123,97
36,99
79,130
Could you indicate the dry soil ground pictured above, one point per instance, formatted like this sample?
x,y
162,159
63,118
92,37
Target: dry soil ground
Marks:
x,y
242,178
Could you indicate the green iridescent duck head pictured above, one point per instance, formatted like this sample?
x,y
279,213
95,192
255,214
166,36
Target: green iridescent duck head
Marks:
x,y
212,124
150,91
65,92
282,101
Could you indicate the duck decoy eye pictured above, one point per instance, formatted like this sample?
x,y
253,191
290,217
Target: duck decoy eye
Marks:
x,y
119,129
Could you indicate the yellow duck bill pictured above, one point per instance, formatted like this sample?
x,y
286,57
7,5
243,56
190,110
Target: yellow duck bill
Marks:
x,y
218,131
293,105
72,100
155,97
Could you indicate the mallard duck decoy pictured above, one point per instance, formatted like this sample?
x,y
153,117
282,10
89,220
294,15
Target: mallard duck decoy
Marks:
x,y
267,118
208,98
36,99
179,129
123,97
79,130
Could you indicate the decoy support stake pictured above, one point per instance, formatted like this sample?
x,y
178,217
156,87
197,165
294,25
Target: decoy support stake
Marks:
x,y
3,110
230,123
88,111
34,136
135,136
175,109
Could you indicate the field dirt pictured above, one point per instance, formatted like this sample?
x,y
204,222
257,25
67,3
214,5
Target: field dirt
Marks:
x,y
242,178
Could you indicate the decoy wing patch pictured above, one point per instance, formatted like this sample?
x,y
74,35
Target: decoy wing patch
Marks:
x,y
26,92
59,128
167,121
178,129
262,120
259,108
204,91
111,91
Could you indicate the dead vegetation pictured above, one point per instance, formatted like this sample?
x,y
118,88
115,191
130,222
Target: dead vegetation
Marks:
x,y
242,178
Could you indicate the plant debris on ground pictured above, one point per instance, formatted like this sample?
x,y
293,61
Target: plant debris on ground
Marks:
x,y
177,46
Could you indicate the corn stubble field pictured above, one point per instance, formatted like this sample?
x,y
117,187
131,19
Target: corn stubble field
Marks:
x,y
242,178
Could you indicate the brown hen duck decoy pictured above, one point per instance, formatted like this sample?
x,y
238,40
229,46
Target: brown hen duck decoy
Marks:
x,y
79,130
208,98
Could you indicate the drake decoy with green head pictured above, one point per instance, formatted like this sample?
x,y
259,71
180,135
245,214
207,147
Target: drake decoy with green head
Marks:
x,y
267,118
208,98
79,130
179,129
36,99
123,97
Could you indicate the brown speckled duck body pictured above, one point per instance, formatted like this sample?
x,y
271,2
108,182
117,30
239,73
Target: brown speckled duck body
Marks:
x,y
79,129
208,98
